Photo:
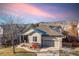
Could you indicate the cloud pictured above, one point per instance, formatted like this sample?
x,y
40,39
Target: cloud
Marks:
x,y
23,9
26,8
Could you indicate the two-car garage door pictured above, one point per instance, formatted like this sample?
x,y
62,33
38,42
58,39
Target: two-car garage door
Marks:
x,y
48,42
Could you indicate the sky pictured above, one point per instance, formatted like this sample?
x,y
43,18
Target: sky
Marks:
x,y
26,13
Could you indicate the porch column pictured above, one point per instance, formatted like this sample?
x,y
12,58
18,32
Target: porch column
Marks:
x,y
23,38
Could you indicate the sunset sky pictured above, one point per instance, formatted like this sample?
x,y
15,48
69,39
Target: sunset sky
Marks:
x,y
34,13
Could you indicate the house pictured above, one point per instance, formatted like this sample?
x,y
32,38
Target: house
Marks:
x,y
44,36
1,34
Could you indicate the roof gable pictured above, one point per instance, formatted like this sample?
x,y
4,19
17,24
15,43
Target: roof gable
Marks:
x,y
31,31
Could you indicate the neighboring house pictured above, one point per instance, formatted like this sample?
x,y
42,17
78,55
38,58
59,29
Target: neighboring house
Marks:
x,y
1,32
16,29
44,36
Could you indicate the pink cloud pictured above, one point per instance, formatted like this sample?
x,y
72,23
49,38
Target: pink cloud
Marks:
x,y
65,14
12,11
21,9
53,8
26,8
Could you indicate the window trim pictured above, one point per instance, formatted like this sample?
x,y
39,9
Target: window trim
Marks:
x,y
35,39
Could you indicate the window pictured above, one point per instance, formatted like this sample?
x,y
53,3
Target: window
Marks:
x,y
35,39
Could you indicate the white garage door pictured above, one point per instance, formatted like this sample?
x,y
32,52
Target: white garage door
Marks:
x,y
48,43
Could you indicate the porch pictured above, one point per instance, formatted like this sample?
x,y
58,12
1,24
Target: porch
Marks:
x,y
23,38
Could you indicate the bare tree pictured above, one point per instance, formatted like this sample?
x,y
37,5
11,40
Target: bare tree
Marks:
x,y
11,32
74,32
13,26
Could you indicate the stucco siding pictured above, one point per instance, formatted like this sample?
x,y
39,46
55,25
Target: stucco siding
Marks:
x,y
48,38
30,37
58,43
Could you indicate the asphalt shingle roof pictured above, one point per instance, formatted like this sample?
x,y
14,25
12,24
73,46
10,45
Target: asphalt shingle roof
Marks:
x,y
49,31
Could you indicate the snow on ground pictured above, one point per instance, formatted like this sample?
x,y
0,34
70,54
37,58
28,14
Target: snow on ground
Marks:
x,y
37,50
42,52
